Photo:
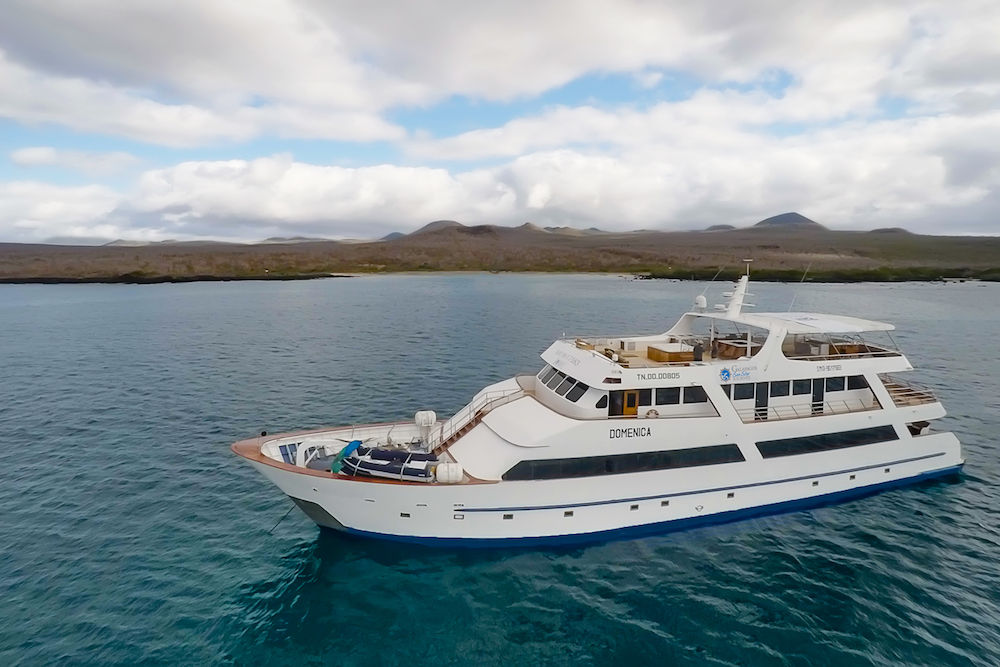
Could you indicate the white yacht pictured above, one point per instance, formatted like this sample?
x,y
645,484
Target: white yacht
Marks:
x,y
729,414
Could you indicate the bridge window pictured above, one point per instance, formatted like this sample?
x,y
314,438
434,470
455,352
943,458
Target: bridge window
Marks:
x,y
602,402
555,380
565,385
578,390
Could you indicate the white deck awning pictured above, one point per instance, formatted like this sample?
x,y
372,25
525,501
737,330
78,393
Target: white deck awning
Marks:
x,y
813,322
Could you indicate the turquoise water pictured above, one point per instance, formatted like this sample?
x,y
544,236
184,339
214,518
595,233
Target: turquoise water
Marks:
x,y
130,534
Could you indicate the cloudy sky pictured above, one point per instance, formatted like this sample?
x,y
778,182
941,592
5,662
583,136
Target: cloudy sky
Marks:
x,y
241,120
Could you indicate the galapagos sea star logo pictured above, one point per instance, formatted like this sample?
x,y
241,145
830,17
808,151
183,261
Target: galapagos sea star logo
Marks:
x,y
724,374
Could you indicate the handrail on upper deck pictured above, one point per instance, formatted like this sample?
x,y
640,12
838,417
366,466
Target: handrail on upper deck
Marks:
x,y
474,410
905,393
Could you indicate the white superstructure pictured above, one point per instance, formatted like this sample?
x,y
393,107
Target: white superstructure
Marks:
x,y
728,414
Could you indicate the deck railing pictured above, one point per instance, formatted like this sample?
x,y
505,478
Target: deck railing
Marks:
x,y
845,355
905,393
473,412
781,412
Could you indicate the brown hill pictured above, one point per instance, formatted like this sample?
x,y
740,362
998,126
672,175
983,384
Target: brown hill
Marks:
x,y
452,246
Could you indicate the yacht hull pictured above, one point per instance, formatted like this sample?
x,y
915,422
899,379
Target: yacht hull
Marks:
x,y
593,509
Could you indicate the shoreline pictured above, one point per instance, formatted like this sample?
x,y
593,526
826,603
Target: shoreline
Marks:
x,y
159,280
692,275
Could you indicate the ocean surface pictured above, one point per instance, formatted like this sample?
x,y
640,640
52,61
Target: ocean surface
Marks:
x,y
130,534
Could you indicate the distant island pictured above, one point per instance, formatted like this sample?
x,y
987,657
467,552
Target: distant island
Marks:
x,y
782,246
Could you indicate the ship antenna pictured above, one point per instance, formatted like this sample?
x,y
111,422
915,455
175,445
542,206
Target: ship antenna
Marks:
x,y
796,294
721,268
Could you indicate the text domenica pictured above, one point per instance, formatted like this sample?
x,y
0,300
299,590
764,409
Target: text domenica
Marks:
x,y
632,432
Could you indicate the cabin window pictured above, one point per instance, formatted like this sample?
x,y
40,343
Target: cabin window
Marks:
x,y
742,391
695,395
825,441
614,464
668,395
555,380
602,402
835,384
801,387
645,397
565,385
780,388
546,373
617,404
576,392
857,382
727,389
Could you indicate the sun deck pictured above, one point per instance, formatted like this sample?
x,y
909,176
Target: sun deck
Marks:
x,y
645,352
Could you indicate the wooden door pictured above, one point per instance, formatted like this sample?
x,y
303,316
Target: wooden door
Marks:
x,y
631,403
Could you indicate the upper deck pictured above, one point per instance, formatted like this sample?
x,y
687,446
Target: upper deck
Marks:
x,y
729,335
685,350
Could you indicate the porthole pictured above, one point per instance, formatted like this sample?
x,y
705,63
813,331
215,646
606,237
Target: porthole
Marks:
x,y
458,517
568,513
853,476
664,503
815,483
888,469
730,495
405,515
508,517
633,508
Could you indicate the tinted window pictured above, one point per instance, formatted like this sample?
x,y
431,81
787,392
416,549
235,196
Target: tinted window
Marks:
x,y
668,395
546,373
555,380
727,389
695,395
576,392
645,396
624,463
857,382
602,402
742,391
617,403
780,388
565,385
835,384
801,387
825,441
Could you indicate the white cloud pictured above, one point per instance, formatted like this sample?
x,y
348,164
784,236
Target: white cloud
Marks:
x,y
92,106
192,74
935,175
32,211
648,78
188,72
236,195
87,162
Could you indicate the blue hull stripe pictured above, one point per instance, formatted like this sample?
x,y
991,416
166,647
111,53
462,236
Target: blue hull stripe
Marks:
x,y
696,492
664,526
